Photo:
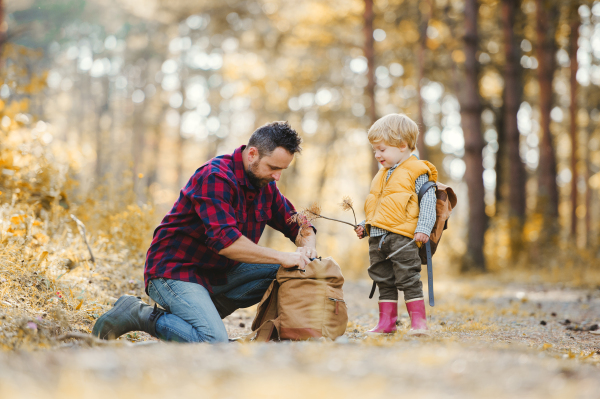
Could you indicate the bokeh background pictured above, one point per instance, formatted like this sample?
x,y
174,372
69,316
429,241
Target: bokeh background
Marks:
x,y
108,106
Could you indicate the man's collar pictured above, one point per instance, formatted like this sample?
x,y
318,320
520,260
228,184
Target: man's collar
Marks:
x,y
238,168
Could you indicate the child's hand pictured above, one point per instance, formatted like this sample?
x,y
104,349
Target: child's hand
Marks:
x,y
360,231
421,237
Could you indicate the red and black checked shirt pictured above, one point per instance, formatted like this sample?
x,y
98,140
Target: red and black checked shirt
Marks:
x,y
216,207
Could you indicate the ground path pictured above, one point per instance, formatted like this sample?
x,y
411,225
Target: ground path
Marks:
x,y
489,339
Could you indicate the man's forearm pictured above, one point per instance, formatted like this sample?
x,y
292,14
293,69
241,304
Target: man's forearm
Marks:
x,y
244,250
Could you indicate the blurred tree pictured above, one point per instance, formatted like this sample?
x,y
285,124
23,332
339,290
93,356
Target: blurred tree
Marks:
x,y
425,13
547,202
589,133
470,110
512,100
573,108
103,121
369,50
590,141
3,27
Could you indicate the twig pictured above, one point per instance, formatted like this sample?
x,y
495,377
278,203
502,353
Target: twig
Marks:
x,y
347,204
81,228
398,250
335,220
89,339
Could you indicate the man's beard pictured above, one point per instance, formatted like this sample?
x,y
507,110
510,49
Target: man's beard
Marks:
x,y
256,181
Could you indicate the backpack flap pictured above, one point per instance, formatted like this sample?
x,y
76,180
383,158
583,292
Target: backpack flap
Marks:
x,y
451,195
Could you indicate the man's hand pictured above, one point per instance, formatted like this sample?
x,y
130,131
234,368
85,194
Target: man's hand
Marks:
x,y
360,232
307,244
308,251
421,237
244,250
293,259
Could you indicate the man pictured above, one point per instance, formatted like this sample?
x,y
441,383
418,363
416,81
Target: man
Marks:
x,y
204,261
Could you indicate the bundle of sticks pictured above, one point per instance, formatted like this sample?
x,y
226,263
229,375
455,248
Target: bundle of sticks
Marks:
x,y
305,217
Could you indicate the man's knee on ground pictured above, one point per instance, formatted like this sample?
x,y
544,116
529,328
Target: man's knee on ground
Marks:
x,y
214,337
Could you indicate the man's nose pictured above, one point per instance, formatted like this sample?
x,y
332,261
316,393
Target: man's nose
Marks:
x,y
276,176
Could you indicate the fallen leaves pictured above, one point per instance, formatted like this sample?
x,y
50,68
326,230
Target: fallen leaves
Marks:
x,y
546,346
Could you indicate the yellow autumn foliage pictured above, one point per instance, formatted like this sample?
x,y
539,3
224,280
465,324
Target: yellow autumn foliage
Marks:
x,y
48,283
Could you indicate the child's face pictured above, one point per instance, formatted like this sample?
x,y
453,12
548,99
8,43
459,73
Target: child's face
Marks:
x,y
389,156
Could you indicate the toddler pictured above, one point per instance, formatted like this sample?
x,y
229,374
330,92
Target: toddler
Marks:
x,y
394,217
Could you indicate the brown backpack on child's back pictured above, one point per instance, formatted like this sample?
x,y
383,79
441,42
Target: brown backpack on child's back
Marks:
x,y
445,202
302,304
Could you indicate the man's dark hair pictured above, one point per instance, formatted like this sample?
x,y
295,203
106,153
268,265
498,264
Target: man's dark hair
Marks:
x,y
275,134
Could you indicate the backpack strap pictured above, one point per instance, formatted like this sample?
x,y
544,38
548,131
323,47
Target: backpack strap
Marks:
x,y
266,318
424,188
429,273
373,290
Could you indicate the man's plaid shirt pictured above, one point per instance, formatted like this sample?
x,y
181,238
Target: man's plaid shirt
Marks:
x,y
427,212
216,207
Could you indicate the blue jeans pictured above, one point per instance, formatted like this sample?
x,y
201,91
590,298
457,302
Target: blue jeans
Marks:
x,y
194,315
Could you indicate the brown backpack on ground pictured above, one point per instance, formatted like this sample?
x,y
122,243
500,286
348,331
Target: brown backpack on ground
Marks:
x,y
302,304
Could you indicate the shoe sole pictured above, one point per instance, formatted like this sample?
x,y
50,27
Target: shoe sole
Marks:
x,y
373,333
419,333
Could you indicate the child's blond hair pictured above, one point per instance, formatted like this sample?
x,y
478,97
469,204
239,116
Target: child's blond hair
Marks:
x,y
395,130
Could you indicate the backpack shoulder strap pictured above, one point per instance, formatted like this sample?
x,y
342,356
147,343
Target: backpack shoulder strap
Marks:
x,y
424,188
266,318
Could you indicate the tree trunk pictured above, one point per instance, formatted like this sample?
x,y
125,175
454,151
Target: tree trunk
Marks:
x,y
512,102
470,109
501,159
3,29
425,17
573,115
180,151
548,190
588,189
100,150
139,130
369,51
329,161
155,149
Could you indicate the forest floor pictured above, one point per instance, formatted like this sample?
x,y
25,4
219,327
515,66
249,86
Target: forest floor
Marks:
x,y
489,339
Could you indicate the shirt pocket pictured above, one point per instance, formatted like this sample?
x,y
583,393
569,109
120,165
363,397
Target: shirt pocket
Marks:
x,y
263,214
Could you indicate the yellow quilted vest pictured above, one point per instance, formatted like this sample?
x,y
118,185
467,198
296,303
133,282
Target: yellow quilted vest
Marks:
x,y
394,205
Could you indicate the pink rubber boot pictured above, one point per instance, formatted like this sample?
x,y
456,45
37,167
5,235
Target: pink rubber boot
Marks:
x,y
418,318
388,314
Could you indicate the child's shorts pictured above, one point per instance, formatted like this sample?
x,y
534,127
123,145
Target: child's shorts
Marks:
x,y
401,272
